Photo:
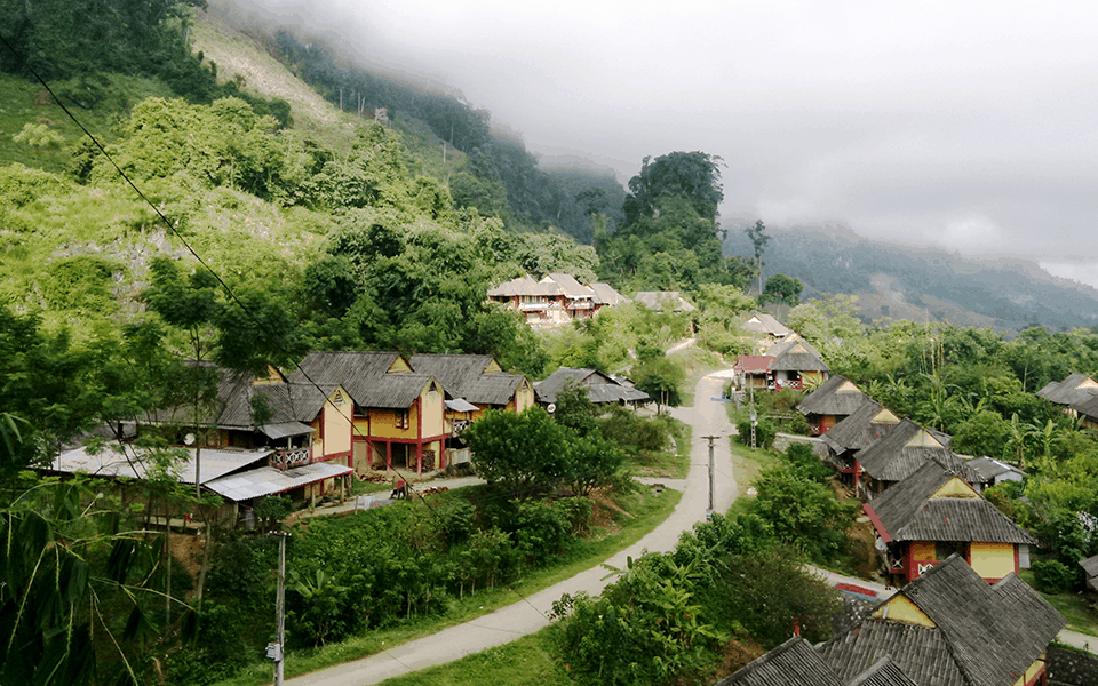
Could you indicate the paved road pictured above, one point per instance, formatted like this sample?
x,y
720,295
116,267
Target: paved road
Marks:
x,y
529,615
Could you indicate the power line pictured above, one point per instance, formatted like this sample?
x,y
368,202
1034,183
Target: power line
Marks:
x,y
171,228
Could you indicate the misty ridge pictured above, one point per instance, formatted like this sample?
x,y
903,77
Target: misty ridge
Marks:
x,y
919,283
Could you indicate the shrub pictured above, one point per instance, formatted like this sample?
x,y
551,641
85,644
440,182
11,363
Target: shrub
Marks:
x,y
764,433
806,465
1052,576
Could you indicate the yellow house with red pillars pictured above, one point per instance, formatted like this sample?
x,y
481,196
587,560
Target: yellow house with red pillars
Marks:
x,y
380,414
934,513
951,627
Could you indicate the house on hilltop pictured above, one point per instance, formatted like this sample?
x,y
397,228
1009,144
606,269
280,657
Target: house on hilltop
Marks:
x,y
951,628
934,513
554,300
797,663
765,329
833,401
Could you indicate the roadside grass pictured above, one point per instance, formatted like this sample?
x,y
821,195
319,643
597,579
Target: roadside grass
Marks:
x,y
525,662
1080,616
747,463
646,511
674,461
695,363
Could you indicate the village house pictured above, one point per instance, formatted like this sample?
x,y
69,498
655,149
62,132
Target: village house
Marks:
x,y
1090,571
389,417
833,401
901,453
1072,391
797,663
1087,413
554,300
765,329
986,472
862,428
796,364
753,372
474,383
935,513
951,627
601,389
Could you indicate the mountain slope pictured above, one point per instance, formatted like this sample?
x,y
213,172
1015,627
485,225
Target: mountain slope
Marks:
x,y
906,282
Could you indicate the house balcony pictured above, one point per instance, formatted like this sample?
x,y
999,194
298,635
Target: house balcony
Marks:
x,y
533,307
288,458
581,305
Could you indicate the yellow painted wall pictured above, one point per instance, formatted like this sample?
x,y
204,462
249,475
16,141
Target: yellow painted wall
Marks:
x,y
337,422
400,366
923,439
1034,669
812,377
492,368
383,424
432,402
524,397
318,442
992,560
955,488
900,609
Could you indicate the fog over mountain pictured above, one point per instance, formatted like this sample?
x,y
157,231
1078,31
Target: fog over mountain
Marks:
x,y
962,126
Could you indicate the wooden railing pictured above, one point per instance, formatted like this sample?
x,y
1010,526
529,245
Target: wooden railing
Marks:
x,y
288,458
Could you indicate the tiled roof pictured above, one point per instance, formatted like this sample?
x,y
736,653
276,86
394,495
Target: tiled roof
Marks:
x,y
1068,391
985,469
982,634
753,364
858,430
657,300
793,663
761,322
836,396
363,374
462,375
909,513
601,388
606,295
798,358
892,459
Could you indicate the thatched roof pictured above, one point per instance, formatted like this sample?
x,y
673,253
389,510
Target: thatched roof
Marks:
x,y
606,295
836,396
980,634
797,357
600,388
765,324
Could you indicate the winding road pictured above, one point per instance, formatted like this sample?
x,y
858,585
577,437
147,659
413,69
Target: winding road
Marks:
x,y
708,418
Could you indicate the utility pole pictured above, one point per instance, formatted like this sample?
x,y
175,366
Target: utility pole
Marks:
x,y
277,651
712,480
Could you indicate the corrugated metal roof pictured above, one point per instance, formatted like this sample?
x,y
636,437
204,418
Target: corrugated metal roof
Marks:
x,y
119,460
753,364
460,405
268,480
285,430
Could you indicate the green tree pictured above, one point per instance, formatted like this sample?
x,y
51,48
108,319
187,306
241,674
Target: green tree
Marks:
x,y
759,239
782,289
527,453
803,513
694,175
660,378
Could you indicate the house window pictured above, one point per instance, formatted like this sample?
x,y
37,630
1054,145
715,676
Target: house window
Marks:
x,y
402,419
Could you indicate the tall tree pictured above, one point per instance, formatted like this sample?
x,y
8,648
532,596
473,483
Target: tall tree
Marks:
x,y
759,239
695,175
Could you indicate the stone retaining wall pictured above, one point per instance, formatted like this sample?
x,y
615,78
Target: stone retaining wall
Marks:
x,y
1069,668
782,442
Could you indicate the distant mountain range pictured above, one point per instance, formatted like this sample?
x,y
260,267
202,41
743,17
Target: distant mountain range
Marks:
x,y
907,282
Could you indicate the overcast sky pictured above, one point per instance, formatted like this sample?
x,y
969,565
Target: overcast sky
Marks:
x,y
967,125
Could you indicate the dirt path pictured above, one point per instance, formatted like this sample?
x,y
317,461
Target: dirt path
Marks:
x,y
526,617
